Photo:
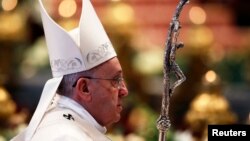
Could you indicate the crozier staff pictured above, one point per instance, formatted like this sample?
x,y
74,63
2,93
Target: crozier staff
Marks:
x,y
170,66
85,94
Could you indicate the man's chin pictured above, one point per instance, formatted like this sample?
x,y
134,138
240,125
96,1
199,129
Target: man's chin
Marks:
x,y
118,117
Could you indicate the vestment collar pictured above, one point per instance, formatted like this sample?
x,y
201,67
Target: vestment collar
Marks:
x,y
65,102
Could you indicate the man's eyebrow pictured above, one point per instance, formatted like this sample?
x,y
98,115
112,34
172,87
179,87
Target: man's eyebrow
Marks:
x,y
119,73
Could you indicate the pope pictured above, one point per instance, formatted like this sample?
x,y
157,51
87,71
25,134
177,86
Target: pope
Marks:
x,y
86,91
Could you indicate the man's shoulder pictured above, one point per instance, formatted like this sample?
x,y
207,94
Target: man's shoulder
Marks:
x,y
61,131
61,124
60,134
62,118
66,124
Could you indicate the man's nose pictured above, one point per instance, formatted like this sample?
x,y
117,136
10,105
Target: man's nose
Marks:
x,y
123,90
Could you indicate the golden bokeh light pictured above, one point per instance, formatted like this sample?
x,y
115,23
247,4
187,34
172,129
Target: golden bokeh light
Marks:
x,y
115,0
8,106
210,76
67,8
205,103
120,14
149,62
199,105
209,103
4,95
197,15
201,36
9,5
68,24
216,52
12,24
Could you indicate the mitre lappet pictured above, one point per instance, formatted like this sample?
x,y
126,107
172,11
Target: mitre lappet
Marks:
x,y
72,51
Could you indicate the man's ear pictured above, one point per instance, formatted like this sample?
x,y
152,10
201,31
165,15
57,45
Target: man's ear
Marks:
x,y
82,89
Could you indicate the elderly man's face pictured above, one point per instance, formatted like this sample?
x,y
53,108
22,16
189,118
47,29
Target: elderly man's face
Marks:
x,y
107,94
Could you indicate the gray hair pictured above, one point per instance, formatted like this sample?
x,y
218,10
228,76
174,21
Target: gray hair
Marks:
x,y
66,86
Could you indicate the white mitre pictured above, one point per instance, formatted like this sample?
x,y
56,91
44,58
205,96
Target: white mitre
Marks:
x,y
81,49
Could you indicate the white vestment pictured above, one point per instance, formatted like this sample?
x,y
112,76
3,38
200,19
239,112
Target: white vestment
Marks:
x,y
66,120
